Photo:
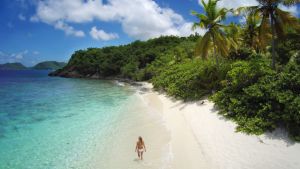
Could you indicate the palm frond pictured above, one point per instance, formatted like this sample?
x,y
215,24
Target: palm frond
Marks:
x,y
290,2
203,45
211,20
245,9
221,43
264,29
221,15
195,26
204,4
286,20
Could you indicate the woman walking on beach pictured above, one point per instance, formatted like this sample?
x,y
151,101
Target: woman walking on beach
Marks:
x,y
140,147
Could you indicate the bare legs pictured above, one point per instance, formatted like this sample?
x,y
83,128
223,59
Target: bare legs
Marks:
x,y
140,155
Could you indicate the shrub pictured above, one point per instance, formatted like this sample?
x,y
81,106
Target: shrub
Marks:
x,y
259,99
129,69
241,54
191,79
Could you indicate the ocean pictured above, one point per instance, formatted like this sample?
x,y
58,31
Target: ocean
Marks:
x,y
60,123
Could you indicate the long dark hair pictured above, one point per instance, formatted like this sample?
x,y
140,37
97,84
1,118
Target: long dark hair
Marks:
x,y
141,139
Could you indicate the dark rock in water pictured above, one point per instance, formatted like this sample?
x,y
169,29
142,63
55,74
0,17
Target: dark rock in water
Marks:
x,y
67,72
94,76
53,73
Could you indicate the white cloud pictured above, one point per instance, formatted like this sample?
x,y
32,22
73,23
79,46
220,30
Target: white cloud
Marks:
x,y
20,55
69,30
185,29
24,56
234,3
140,19
34,19
21,17
102,35
12,57
36,52
292,9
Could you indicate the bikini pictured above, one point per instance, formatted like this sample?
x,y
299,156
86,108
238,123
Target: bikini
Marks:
x,y
141,150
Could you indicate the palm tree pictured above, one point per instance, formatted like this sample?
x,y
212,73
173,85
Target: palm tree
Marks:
x,y
233,32
214,36
275,18
250,32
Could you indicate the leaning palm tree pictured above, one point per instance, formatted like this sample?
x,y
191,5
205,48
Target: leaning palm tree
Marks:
x,y
275,18
214,36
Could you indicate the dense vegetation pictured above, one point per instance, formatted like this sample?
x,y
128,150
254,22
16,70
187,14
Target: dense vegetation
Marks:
x,y
259,99
137,61
49,65
12,66
251,70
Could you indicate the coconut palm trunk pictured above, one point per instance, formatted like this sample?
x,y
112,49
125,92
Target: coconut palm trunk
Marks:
x,y
215,51
273,40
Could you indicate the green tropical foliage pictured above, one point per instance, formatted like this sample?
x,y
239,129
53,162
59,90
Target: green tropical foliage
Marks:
x,y
244,87
214,36
274,20
259,99
49,65
137,61
191,80
12,66
250,35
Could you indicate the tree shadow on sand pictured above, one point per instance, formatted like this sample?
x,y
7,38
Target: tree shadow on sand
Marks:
x,y
183,104
278,134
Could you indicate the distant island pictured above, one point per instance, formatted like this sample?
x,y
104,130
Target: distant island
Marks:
x,y
46,65
49,65
12,66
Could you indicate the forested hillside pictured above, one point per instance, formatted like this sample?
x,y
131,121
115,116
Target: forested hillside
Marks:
x,y
133,61
250,70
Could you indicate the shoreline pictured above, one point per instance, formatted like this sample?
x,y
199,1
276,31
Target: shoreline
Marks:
x,y
200,138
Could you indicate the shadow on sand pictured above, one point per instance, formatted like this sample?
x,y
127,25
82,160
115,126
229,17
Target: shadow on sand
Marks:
x,y
278,134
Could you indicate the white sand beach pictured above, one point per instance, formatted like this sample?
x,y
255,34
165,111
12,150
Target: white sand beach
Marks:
x,y
200,138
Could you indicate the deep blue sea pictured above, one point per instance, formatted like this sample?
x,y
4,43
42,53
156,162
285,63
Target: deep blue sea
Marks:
x,y
52,122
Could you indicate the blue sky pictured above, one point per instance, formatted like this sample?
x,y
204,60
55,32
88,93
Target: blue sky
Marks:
x,y
37,30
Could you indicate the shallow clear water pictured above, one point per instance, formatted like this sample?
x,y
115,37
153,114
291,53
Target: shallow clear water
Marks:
x,y
51,122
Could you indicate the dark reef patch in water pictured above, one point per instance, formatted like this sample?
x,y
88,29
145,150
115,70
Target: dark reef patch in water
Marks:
x,y
68,115
36,119
2,132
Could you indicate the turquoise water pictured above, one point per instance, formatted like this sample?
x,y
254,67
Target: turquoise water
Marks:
x,y
51,122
